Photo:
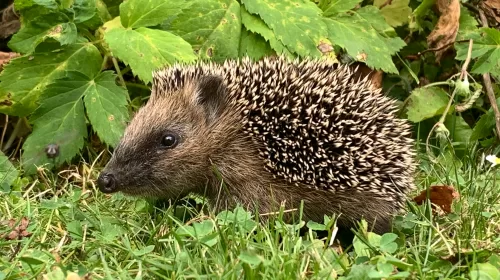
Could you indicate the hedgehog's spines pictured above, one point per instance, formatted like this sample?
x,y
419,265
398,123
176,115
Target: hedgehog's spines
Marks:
x,y
317,125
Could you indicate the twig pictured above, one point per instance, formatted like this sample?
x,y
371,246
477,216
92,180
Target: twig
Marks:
x,y
440,48
470,6
487,84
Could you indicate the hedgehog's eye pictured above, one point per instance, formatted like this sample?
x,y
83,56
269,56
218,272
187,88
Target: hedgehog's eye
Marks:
x,y
169,140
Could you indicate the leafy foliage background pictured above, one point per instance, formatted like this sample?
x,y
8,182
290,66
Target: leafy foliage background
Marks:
x,y
85,65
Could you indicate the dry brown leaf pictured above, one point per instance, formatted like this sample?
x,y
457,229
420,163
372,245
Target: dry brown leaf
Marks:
x,y
17,232
361,71
72,276
491,9
441,196
445,31
5,57
9,24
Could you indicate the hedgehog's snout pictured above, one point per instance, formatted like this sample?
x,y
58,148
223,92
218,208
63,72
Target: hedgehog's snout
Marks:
x,y
107,182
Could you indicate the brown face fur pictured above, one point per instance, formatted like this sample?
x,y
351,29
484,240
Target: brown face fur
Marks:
x,y
142,165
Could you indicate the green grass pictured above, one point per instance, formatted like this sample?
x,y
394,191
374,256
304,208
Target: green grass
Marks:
x,y
74,228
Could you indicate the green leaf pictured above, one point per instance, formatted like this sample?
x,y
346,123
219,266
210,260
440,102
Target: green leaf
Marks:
x,y
359,272
143,251
113,6
426,103
387,243
54,25
297,24
106,106
460,129
484,126
102,13
147,49
24,78
212,27
467,24
21,5
368,46
253,45
361,248
250,258
59,120
396,13
239,216
372,15
203,228
485,48
8,173
75,230
484,271
140,13
257,25
332,7
315,226
84,10
383,271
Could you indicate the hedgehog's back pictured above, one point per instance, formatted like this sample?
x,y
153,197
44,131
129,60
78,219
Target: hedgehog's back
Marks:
x,y
322,127
316,124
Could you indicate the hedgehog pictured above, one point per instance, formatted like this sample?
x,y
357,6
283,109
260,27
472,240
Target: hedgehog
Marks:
x,y
266,134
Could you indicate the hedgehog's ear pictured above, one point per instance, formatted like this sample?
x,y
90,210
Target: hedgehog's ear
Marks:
x,y
211,94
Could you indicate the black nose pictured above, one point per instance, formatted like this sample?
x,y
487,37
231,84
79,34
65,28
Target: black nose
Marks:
x,y
106,182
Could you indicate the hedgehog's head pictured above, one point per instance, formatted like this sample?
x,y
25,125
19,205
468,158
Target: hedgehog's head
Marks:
x,y
166,149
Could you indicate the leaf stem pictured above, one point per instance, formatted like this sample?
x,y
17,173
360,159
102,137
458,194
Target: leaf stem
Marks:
x,y
117,68
125,70
103,64
463,72
137,85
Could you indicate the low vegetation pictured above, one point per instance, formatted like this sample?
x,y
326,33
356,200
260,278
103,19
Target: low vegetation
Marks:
x,y
72,73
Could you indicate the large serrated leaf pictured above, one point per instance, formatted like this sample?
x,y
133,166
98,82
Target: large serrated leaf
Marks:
x,y
253,45
297,24
485,125
257,25
53,25
8,173
426,103
113,6
332,7
84,10
60,120
363,42
467,24
25,4
148,49
397,12
140,13
372,15
212,27
106,106
486,48
24,78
